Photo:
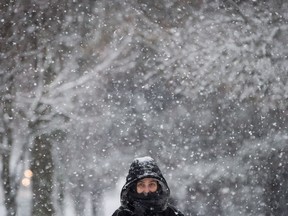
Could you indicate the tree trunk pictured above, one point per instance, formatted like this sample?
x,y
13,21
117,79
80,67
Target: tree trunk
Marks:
x,y
7,141
43,169
96,206
276,192
9,191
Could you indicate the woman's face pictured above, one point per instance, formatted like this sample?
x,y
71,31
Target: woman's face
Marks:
x,y
147,185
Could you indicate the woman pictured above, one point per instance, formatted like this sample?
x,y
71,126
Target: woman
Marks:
x,y
145,192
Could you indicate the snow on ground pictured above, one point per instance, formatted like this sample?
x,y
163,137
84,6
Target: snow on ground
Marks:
x,y
111,199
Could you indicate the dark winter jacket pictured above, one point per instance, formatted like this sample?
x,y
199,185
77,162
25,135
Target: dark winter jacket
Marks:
x,y
153,204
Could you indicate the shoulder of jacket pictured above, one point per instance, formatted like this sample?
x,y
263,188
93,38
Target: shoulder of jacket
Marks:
x,y
175,210
122,212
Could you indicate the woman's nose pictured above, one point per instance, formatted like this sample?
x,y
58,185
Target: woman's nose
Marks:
x,y
146,189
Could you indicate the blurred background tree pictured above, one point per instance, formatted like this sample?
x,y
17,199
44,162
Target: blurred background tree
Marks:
x,y
201,86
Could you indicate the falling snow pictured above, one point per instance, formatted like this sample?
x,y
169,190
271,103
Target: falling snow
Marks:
x,y
88,86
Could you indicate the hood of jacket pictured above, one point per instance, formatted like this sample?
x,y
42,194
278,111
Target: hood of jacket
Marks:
x,y
144,167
